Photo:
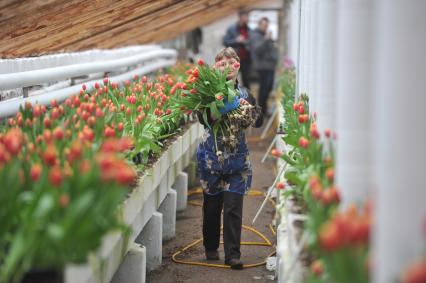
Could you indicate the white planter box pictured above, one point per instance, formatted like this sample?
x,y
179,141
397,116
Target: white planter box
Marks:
x,y
171,174
162,190
164,161
176,150
186,141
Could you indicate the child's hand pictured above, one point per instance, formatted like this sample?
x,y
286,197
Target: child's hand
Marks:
x,y
243,101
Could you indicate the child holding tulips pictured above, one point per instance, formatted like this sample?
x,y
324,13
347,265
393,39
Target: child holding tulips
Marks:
x,y
226,175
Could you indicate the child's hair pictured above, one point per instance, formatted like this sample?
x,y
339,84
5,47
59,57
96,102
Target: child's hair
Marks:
x,y
227,52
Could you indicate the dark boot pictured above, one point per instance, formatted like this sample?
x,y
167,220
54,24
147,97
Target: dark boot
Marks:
x,y
235,263
212,255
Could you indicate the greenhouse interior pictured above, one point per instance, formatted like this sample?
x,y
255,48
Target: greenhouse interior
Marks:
x,y
212,141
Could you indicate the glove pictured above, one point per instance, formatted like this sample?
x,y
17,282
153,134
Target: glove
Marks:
x,y
229,106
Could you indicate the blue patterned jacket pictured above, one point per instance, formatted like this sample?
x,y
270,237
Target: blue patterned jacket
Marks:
x,y
235,173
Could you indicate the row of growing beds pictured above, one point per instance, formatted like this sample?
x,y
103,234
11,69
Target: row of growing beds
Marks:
x,y
80,179
318,241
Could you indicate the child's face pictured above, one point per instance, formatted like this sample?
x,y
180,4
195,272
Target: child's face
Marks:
x,y
232,64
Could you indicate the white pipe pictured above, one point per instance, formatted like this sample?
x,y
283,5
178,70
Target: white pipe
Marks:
x,y
353,99
399,137
30,78
61,59
11,106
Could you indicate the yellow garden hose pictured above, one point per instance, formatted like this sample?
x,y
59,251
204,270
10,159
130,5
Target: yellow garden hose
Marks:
x,y
266,242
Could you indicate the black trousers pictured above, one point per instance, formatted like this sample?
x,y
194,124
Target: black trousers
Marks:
x,y
245,70
232,204
266,82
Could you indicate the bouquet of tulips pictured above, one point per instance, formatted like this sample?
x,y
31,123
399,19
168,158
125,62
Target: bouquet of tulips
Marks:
x,y
208,91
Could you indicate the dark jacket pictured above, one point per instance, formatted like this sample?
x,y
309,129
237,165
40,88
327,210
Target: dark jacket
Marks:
x,y
264,52
229,40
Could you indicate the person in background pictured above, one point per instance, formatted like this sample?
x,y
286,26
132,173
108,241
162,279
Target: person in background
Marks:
x,y
265,56
238,37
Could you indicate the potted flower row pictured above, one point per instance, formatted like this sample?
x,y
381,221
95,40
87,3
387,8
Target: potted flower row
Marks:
x,y
64,169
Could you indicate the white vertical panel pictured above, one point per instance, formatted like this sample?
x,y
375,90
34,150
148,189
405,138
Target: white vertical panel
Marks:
x,y
327,29
353,99
400,135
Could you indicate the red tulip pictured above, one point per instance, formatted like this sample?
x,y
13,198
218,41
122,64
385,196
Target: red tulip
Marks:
x,y
11,122
88,134
120,126
64,200
276,153
31,147
28,123
295,106
58,133
329,173
415,273
19,120
125,143
109,132
280,185
317,268
56,176
329,237
327,132
99,112
303,142
37,111
54,114
35,172
314,131
54,103
200,62
330,196
83,87
125,175
91,121
13,141
303,118
4,155
50,155
317,192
